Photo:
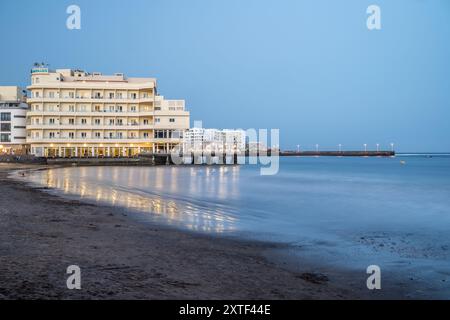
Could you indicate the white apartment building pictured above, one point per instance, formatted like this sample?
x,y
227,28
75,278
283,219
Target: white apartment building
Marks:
x,y
198,139
13,111
78,114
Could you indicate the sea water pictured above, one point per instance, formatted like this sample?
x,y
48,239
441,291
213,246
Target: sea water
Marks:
x,y
348,212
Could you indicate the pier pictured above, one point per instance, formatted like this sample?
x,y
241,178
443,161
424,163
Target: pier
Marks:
x,y
192,158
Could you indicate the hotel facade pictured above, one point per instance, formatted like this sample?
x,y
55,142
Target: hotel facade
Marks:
x,y
13,111
78,114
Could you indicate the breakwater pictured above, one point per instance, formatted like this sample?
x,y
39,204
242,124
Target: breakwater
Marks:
x,y
338,153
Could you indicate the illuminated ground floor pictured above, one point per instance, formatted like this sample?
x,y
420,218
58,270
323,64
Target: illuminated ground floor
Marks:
x,y
86,150
13,149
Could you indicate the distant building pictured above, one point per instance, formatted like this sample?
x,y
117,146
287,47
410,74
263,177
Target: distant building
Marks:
x,y
255,147
200,139
13,111
78,114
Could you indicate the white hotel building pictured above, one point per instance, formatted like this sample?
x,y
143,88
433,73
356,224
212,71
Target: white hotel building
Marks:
x,y
201,139
13,111
77,114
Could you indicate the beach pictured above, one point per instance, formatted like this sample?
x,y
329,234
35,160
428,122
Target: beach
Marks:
x,y
123,258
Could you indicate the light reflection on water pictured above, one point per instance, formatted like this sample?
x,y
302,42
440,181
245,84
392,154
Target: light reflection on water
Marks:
x,y
165,193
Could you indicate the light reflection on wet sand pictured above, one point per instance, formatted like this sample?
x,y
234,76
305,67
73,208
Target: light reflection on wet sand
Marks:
x,y
165,193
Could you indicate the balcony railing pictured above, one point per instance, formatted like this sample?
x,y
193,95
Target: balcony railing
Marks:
x,y
93,111
92,97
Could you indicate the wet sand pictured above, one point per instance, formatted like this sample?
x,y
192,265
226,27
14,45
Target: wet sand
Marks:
x,y
123,258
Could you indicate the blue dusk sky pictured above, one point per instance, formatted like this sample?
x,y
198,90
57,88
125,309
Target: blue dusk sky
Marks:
x,y
310,68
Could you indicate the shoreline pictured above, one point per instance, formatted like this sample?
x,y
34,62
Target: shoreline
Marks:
x,y
122,258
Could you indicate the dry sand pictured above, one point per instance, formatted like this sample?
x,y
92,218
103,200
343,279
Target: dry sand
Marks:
x,y
123,258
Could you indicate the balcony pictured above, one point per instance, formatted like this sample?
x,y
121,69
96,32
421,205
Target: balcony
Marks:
x,y
66,126
104,113
92,99
106,140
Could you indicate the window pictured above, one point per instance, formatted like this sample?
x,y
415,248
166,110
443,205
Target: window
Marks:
x,y
36,121
133,108
36,94
5,137
19,116
111,95
71,135
145,121
83,134
177,134
51,121
133,96
5,116
71,95
71,121
97,134
51,94
160,134
145,134
119,135
5,127
83,121
72,108
83,108
171,119
97,122
119,109
157,120
119,122
111,108
97,108
119,95
111,122
51,135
